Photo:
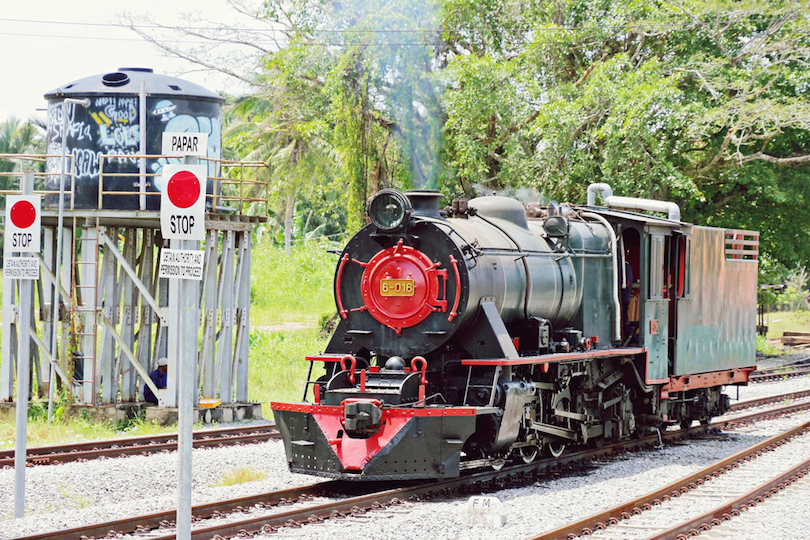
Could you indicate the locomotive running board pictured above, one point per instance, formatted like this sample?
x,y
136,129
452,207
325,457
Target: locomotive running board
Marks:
x,y
556,357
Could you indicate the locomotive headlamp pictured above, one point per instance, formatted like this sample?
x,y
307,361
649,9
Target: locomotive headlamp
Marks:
x,y
389,209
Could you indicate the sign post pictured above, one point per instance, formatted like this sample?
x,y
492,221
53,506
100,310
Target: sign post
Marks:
x,y
182,220
22,235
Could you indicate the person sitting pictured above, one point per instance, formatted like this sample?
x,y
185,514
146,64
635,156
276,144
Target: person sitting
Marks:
x,y
158,377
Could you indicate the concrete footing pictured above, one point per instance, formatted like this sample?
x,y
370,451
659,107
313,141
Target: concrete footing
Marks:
x,y
106,413
7,411
232,412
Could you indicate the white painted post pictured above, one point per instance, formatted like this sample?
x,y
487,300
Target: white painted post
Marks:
x,y
23,367
187,318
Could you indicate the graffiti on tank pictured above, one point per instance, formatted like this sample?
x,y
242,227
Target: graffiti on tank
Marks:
x,y
79,130
118,131
165,110
108,126
86,162
117,110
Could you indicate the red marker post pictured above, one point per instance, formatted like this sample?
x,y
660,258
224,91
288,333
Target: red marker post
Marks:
x,y
22,237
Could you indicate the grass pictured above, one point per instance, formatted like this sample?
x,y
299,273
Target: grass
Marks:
x,y
779,322
241,475
40,433
295,288
277,367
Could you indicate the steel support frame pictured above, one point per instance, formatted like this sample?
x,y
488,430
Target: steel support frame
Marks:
x,y
117,299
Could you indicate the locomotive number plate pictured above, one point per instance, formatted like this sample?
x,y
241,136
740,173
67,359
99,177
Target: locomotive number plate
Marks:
x,y
396,287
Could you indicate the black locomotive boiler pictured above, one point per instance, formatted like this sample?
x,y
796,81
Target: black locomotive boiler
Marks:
x,y
490,331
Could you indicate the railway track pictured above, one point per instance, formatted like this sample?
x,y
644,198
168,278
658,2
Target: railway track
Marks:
x,y
724,487
142,445
759,402
260,513
799,368
52,455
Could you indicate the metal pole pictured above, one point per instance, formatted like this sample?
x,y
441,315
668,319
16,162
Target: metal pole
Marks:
x,y
142,161
59,225
23,366
186,378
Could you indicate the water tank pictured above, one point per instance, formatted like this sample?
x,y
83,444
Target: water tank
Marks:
x,y
113,125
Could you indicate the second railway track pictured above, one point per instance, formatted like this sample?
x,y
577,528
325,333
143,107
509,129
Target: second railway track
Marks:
x,y
147,444
52,455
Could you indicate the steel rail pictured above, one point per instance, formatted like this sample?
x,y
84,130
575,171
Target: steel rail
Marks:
x,y
48,455
779,374
158,520
374,499
603,520
741,405
734,508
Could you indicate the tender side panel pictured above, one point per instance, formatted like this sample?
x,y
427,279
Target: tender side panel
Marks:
x,y
717,322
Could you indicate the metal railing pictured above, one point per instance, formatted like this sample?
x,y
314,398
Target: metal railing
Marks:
x,y
239,187
234,191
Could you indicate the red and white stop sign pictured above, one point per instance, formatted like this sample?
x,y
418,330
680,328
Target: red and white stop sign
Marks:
x,y
182,202
23,223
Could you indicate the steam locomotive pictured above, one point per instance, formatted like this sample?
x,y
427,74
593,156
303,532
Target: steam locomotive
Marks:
x,y
491,331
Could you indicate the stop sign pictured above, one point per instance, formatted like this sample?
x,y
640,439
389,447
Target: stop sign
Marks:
x,y
23,222
182,202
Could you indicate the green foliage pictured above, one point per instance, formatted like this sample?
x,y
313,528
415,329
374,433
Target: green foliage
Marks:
x,y
783,321
765,347
703,102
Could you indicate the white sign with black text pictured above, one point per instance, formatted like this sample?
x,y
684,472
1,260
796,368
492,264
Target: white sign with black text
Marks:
x,y
20,268
185,144
181,264
182,202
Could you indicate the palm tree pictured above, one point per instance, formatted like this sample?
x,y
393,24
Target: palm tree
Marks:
x,y
284,136
18,137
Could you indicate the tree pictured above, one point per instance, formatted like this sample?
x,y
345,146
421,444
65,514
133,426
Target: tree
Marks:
x,y
703,102
797,285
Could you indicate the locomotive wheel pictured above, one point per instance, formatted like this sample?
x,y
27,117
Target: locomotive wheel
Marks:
x,y
529,453
555,450
497,464
686,423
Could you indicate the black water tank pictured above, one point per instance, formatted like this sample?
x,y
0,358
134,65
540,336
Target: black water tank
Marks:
x,y
112,125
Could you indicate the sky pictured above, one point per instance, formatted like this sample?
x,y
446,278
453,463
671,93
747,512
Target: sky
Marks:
x,y
37,56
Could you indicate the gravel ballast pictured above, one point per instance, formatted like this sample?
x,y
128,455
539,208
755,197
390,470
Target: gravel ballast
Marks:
x,y
73,494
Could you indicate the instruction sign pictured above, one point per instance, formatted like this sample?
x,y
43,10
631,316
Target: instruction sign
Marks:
x,y
185,144
23,222
21,268
181,264
182,202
